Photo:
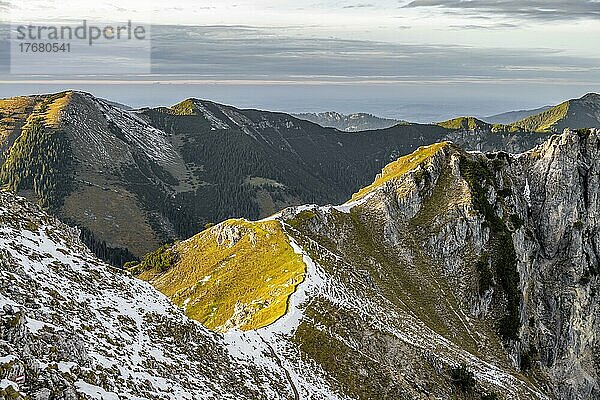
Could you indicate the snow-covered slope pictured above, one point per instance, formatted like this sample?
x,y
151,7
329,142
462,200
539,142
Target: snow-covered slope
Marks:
x,y
72,327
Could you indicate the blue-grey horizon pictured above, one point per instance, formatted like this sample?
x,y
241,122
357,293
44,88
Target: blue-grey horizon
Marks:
x,y
490,55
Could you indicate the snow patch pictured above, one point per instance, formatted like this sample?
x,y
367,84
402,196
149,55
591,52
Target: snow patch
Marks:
x,y
34,325
65,367
346,207
95,392
7,359
527,193
215,122
6,383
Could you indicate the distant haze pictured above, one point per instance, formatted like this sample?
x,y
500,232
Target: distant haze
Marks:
x,y
405,103
421,60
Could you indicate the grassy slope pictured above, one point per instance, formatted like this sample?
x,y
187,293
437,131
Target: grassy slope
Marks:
x,y
469,123
546,120
252,275
258,269
400,167
213,274
40,159
474,124
13,113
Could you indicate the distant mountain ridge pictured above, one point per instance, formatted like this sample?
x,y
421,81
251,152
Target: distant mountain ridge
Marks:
x,y
349,122
510,117
581,113
578,113
466,123
134,179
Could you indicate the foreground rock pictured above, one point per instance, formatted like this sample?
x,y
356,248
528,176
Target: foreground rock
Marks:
x,y
71,327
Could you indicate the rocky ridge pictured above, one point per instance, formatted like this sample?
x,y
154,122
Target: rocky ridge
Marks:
x,y
72,327
451,259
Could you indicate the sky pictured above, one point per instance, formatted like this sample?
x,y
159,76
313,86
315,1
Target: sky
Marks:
x,y
420,60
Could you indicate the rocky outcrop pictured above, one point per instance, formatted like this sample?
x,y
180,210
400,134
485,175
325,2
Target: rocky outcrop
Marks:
x,y
561,307
495,255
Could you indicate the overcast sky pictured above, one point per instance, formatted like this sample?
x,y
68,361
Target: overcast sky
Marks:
x,y
398,58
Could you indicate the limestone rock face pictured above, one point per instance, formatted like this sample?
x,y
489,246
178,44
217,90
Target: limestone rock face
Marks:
x,y
488,260
561,309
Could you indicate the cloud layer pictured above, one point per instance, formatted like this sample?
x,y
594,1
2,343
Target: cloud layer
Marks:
x,y
259,53
550,10
244,53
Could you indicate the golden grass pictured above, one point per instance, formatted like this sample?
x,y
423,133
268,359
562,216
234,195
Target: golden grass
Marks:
x,y
400,167
546,120
186,107
243,283
16,104
55,110
12,111
461,123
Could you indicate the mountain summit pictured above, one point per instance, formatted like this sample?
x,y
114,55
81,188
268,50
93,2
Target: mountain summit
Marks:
x,y
574,114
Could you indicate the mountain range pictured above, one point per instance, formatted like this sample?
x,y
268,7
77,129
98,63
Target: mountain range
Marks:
x,y
447,259
583,113
510,117
349,122
452,275
575,114
133,180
